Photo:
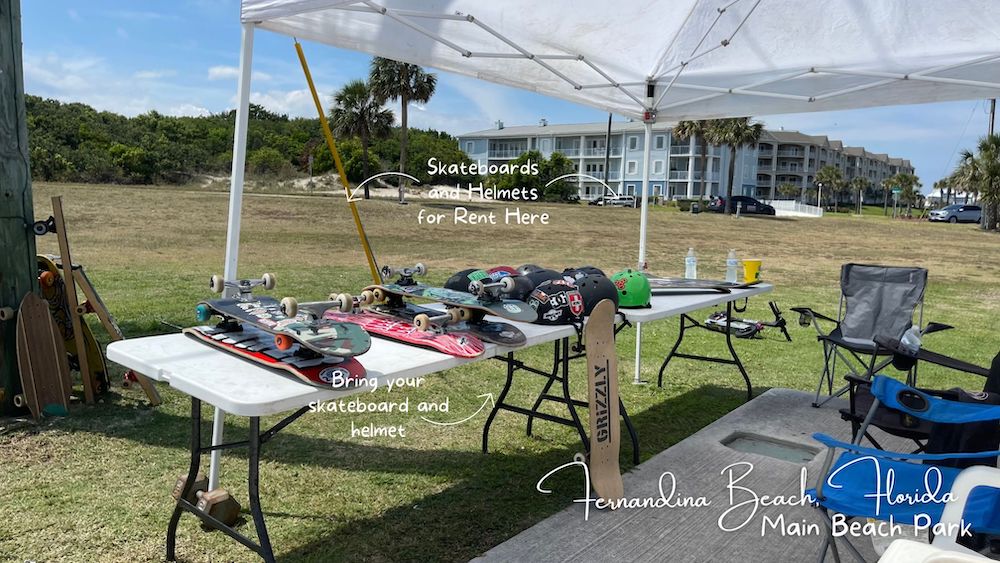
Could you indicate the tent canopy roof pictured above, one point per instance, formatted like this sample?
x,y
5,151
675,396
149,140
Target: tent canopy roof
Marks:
x,y
703,58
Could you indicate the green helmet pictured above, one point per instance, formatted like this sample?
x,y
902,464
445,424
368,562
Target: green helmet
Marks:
x,y
633,289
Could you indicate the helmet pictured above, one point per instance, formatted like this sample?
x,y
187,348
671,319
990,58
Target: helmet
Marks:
x,y
501,271
577,273
633,289
525,269
460,280
542,275
522,288
557,302
595,287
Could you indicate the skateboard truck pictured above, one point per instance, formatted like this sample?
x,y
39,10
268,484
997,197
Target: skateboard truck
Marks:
x,y
6,313
44,227
219,504
492,290
452,315
218,284
346,303
406,275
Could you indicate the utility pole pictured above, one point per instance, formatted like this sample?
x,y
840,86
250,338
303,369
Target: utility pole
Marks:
x,y
17,243
993,114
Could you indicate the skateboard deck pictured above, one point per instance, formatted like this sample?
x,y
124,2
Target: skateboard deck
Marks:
x,y
252,343
509,309
458,344
661,285
55,292
602,372
321,336
504,334
41,359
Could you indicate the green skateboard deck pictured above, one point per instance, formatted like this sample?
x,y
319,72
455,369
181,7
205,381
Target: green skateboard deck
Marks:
x,y
509,309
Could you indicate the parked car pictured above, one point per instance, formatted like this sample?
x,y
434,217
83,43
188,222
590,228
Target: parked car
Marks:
x,y
614,201
957,214
748,205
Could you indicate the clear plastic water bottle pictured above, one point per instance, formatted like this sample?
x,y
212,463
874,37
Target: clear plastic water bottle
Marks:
x,y
732,265
691,265
911,340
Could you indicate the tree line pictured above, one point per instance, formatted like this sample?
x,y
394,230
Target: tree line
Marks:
x,y
978,175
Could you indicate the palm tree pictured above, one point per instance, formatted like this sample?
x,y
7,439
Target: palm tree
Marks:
x,y
887,186
356,113
736,132
789,190
830,178
393,80
857,186
982,173
694,130
910,190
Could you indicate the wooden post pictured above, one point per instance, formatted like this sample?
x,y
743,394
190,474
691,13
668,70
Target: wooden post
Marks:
x,y
18,271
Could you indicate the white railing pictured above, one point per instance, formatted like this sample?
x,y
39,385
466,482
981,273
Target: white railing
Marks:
x,y
615,151
568,151
508,153
790,208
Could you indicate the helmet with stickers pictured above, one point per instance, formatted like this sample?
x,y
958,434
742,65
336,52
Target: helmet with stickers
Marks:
x,y
594,288
557,302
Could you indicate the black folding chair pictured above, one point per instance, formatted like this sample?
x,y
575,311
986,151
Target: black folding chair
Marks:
x,y
874,300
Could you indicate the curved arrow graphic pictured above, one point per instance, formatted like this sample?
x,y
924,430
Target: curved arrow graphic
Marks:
x,y
607,188
362,184
489,400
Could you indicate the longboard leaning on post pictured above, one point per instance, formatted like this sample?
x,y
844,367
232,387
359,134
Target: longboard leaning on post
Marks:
x,y
41,360
602,374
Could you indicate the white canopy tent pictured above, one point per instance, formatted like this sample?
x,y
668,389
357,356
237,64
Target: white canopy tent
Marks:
x,y
658,61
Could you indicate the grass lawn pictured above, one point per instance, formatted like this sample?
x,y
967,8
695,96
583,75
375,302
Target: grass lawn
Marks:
x,y
96,485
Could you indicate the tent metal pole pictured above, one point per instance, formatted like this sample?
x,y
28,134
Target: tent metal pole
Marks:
x,y
643,220
235,209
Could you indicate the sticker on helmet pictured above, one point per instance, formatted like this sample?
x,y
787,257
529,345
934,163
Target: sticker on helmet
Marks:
x,y
478,275
552,315
540,296
575,302
620,283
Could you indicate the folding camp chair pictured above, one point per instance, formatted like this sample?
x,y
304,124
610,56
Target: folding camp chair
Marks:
x,y
897,423
855,483
874,300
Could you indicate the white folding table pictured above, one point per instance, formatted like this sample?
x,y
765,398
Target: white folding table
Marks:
x,y
243,388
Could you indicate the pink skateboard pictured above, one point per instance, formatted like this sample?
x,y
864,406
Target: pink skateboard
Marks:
x,y
459,344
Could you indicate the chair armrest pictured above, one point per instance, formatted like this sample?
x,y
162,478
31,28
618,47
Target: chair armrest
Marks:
x,y
967,480
807,312
935,327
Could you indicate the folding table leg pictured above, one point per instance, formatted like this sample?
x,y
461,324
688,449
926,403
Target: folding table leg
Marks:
x,y
569,399
548,385
254,492
732,351
677,344
499,402
191,476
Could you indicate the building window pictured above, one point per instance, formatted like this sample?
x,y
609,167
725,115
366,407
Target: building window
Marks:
x,y
629,189
657,189
633,143
657,167
660,142
632,167
546,145
469,147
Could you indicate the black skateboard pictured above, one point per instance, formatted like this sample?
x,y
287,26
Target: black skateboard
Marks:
x,y
666,286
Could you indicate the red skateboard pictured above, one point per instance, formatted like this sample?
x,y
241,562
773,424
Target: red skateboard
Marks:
x,y
258,346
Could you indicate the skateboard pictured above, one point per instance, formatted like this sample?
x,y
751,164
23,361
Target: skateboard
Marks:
x,y
660,285
280,318
46,385
461,306
504,334
602,372
257,345
55,292
458,344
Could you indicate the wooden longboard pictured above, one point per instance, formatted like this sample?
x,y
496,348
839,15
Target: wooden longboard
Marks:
x,y
602,373
257,345
41,358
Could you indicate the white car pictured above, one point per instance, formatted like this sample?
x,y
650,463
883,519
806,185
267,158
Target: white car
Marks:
x,y
957,213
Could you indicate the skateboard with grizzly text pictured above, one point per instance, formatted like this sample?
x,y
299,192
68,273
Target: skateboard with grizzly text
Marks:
x,y
602,373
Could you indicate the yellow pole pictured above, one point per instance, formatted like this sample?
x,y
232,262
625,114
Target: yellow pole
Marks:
x,y
372,265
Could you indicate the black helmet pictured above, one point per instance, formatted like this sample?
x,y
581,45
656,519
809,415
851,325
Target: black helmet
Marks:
x,y
522,288
543,275
595,287
525,269
557,302
461,280
577,273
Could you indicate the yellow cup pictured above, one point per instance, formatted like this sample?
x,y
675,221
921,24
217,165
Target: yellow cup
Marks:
x,y
751,271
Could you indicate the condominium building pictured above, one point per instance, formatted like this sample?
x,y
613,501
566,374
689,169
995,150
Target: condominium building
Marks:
x,y
781,157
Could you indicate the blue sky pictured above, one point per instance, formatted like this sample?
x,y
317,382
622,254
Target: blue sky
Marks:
x,y
180,58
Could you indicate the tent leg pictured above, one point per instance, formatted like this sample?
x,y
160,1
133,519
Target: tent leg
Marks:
x,y
643,217
235,207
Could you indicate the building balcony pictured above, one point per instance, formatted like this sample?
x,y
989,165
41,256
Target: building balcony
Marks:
x,y
791,169
615,151
513,153
796,154
683,175
613,175
567,151
765,152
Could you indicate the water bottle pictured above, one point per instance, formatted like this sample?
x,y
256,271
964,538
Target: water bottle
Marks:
x,y
691,265
911,340
731,266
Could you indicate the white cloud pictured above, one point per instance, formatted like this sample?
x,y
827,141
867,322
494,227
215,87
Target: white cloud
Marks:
x,y
188,109
295,103
153,74
223,72
139,15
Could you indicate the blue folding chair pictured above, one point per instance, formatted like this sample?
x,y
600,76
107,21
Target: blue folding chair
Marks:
x,y
855,483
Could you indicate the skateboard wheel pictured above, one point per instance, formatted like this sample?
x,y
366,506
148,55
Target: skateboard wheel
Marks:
x,y
419,269
268,280
387,272
477,287
464,313
580,456
422,322
455,315
202,313
366,297
217,284
507,284
6,313
378,294
344,302
283,341
289,306
47,279
40,228
19,401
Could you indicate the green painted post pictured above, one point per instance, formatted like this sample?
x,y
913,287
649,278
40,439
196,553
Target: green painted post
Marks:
x,y
17,243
